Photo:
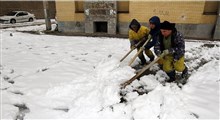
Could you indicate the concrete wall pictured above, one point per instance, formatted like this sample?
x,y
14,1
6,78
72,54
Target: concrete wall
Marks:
x,y
70,26
199,31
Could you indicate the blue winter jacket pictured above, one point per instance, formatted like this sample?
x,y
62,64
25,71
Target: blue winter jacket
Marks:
x,y
154,32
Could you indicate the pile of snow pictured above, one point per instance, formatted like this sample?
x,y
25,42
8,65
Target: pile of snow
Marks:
x,y
63,77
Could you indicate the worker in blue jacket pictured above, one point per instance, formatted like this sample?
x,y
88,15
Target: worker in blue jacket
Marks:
x,y
154,24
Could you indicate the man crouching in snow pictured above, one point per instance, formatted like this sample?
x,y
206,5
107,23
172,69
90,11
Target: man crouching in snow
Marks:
x,y
172,44
138,33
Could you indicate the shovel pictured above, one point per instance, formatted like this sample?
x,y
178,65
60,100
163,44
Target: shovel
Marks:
x,y
141,49
123,85
130,51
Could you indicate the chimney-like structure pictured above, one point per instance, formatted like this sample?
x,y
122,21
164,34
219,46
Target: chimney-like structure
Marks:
x,y
100,16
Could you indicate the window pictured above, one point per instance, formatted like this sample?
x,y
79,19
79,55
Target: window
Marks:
x,y
210,8
20,14
79,8
123,6
25,13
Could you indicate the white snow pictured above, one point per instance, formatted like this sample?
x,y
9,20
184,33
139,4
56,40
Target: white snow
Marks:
x,y
69,77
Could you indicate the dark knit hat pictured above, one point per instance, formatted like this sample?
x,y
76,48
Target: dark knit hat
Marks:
x,y
167,25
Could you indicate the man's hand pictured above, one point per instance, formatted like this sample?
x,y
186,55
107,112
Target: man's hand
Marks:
x,y
175,58
144,39
132,46
166,52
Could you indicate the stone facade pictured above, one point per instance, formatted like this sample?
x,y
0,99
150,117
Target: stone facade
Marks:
x,y
100,15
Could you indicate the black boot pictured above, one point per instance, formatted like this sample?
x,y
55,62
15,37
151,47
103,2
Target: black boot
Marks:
x,y
161,66
185,73
143,60
152,58
172,76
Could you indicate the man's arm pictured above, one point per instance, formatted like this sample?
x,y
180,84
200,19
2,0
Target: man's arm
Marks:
x,y
179,49
157,49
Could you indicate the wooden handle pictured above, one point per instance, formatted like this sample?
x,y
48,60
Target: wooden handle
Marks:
x,y
127,54
136,55
130,51
141,49
123,85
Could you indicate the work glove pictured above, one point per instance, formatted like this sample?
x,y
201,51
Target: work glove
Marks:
x,y
144,39
166,52
174,60
132,46
158,52
143,48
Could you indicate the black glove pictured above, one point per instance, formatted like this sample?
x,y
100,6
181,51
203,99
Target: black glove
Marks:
x,y
148,46
158,52
176,58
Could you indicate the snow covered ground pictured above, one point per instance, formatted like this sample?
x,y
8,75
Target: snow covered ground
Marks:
x,y
67,77
35,22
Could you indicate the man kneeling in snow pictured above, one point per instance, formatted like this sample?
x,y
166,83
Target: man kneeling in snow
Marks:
x,y
172,44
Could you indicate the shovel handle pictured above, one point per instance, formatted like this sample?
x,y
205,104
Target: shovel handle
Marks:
x,y
130,51
123,85
141,49
127,54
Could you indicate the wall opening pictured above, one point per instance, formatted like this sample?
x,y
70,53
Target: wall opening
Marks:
x,y
101,27
122,6
79,7
211,8
100,16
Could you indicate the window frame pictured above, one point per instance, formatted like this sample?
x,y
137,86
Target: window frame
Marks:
x,y
77,7
123,11
208,11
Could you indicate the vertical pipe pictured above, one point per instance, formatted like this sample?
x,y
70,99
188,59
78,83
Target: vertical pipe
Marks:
x,y
47,15
217,25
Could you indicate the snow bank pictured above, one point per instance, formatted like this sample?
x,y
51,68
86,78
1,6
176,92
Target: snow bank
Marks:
x,y
98,90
